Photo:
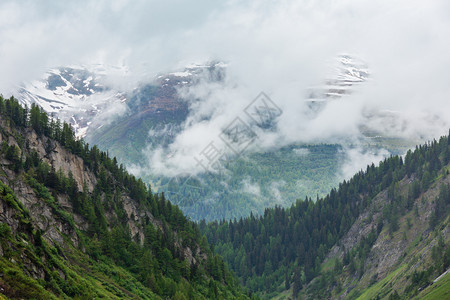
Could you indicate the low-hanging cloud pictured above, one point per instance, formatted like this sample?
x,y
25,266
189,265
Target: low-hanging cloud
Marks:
x,y
357,158
287,47
279,47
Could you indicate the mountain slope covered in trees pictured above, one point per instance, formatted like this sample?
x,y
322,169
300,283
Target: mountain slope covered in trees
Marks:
x,y
75,224
337,246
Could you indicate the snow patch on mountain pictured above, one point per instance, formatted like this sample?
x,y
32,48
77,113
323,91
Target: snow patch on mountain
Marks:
x,y
86,97
348,72
75,94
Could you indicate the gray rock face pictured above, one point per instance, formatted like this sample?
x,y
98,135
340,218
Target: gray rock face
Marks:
x,y
404,250
60,159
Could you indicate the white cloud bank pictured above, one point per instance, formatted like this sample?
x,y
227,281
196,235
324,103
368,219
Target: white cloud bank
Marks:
x,y
279,47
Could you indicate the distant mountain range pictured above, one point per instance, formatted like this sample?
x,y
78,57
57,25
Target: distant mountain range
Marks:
x,y
79,94
130,123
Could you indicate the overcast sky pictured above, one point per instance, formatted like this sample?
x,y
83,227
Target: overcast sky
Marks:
x,y
283,38
280,47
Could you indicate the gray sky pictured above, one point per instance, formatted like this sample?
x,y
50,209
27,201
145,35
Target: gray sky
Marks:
x,y
37,35
280,47
289,40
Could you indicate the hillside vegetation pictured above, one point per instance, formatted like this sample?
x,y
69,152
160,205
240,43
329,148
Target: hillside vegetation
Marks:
x,y
75,224
382,233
